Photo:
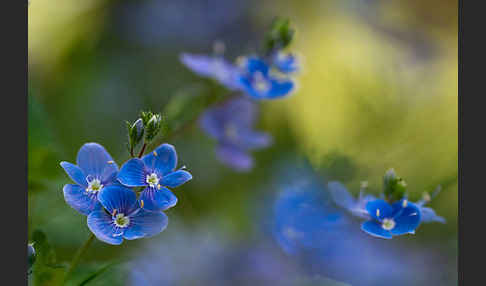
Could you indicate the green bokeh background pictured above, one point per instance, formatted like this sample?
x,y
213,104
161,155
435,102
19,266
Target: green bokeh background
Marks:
x,y
378,89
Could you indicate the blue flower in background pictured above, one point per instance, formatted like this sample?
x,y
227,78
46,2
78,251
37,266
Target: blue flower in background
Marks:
x,y
155,171
231,124
285,62
213,67
387,220
122,217
95,170
259,82
344,199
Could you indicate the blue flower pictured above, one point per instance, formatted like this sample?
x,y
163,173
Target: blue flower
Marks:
x,y
387,220
285,62
95,170
231,124
260,82
122,217
155,171
213,67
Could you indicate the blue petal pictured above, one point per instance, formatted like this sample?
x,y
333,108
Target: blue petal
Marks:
x,y
94,160
373,228
101,225
279,89
385,210
75,173
213,67
133,173
429,215
286,63
80,200
163,159
341,196
255,140
407,221
118,198
145,224
176,178
254,64
157,199
239,113
234,157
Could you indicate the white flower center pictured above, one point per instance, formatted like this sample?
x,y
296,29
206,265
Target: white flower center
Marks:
x,y
94,186
121,220
260,84
153,180
388,224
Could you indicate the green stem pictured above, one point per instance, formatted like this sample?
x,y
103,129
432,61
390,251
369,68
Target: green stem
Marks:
x,y
77,256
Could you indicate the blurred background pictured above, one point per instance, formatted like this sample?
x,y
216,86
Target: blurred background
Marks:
x,y
378,89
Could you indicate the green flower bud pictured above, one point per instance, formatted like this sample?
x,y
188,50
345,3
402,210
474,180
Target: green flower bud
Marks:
x,y
394,186
279,36
152,127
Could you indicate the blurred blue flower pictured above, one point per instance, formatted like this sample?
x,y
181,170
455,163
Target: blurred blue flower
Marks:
x,y
215,67
387,220
122,217
285,62
231,124
259,81
344,199
155,171
95,170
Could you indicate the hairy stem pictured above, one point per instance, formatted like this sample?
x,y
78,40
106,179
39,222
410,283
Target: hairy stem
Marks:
x,y
77,257
142,151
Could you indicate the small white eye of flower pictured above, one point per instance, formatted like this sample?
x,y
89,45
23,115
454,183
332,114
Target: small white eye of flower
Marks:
x,y
121,220
388,224
152,180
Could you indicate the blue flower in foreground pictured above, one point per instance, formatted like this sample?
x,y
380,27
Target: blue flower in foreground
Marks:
x,y
259,82
285,62
122,217
95,170
231,124
155,171
213,67
387,220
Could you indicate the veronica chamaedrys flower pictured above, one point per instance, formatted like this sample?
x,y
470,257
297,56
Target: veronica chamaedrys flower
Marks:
x,y
387,220
259,82
215,67
231,124
95,170
122,217
285,62
344,199
155,171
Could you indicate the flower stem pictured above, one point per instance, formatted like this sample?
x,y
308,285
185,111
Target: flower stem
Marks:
x,y
143,150
77,256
